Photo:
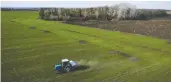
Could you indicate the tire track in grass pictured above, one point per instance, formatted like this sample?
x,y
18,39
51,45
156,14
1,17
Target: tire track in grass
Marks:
x,y
29,46
37,47
30,71
136,70
156,77
131,72
161,70
18,72
116,77
18,58
28,57
150,69
25,41
156,71
21,63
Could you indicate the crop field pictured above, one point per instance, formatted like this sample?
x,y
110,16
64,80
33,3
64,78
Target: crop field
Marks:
x,y
31,47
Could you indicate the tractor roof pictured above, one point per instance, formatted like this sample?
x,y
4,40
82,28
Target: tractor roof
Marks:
x,y
65,60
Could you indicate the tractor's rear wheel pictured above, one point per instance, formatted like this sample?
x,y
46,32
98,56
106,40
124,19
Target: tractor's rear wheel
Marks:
x,y
68,69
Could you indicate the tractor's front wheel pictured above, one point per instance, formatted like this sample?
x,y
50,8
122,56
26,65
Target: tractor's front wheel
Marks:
x,y
57,72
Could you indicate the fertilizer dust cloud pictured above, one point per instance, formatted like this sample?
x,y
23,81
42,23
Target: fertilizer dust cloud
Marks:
x,y
90,63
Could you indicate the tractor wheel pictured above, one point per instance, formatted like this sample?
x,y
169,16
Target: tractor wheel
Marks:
x,y
57,72
68,69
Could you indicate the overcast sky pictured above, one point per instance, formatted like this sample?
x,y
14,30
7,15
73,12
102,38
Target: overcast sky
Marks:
x,y
139,4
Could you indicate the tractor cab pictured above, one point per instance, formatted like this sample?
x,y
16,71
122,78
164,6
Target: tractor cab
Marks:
x,y
64,62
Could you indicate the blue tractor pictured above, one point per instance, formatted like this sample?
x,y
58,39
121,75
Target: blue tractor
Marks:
x,y
66,66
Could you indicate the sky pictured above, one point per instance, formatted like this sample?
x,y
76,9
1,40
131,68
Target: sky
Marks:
x,y
83,4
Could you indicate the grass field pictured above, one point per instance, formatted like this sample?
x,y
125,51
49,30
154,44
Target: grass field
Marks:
x,y
29,55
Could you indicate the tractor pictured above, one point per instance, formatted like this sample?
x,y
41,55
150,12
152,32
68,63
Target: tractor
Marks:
x,y
66,66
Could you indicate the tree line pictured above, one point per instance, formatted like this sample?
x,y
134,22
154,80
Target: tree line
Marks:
x,y
123,11
19,9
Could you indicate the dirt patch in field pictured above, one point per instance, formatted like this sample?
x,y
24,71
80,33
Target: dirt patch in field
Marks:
x,y
134,59
82,42
12,21
46,31
124,55
32,27
120,53
159,28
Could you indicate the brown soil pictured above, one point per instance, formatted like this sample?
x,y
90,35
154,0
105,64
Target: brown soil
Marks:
x,y
157,27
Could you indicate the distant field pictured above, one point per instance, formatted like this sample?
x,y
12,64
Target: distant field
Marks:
x,y
31,47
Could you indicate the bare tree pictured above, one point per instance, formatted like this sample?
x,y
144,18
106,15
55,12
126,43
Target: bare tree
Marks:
x,y
97,14
126,10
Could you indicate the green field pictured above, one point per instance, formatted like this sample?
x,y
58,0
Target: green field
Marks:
x,y
29,55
